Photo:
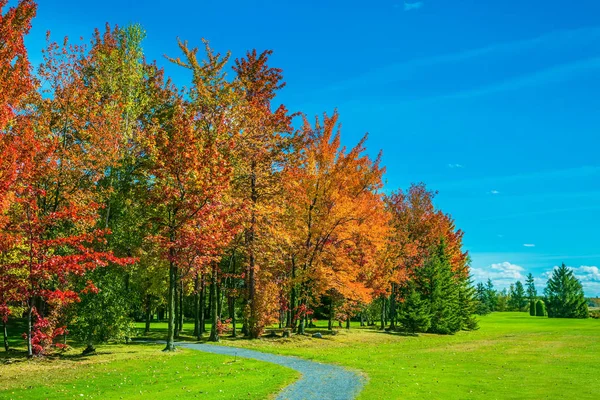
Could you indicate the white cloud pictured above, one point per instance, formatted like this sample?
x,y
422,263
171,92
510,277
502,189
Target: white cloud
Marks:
x,y
413,6
589,276
587,273
502,274
455,166
529,245
494,192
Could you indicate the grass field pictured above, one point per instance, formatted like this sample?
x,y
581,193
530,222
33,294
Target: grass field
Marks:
x,y
511,356
138,371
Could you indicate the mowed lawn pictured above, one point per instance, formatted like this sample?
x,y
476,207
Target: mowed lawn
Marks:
x,y
511,356
140,371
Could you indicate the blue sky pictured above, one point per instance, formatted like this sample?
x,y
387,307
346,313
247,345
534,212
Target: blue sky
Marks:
x,y
494,104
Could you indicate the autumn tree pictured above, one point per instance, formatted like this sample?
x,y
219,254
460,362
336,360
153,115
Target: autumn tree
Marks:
x,y
15,137
192,173
66,149
335,209
261,149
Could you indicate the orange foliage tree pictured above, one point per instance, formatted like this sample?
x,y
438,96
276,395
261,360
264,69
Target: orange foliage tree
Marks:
x,y
334,208
262,149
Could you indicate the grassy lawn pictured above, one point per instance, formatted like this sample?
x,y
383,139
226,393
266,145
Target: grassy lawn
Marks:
x,y
138,371
512,356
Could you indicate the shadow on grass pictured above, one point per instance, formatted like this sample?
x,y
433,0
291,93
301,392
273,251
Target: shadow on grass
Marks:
x,y
397,333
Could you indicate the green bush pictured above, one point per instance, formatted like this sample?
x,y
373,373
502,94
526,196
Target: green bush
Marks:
x,y
540,308
532,308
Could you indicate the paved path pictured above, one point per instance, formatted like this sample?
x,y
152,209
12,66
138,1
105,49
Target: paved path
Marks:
x,y
318,381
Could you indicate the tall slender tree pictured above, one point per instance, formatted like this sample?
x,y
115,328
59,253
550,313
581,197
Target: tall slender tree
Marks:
x,y
564,295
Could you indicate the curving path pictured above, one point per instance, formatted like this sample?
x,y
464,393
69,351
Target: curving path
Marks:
x,y
318,381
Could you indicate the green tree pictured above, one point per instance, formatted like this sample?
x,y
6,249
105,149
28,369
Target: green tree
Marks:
x,y
438,286
531,290
414,313
564,295
517,300
491,296
502,299
482,307
103,313
532,308
540,308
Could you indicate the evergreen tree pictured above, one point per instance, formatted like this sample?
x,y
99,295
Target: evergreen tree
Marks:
x,y
540,308
467,302
502,299
438,286
510,304
531,290
414,313
532,308
482,307
491,296
564,295
517,300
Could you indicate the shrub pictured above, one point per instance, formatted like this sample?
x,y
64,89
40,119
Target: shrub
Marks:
x,y
540,308
532,308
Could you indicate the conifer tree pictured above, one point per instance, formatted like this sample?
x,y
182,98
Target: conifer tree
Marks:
x,y
492,296
482,307
540,308
414,313
517,300
564,295
530,287
438,285
467,302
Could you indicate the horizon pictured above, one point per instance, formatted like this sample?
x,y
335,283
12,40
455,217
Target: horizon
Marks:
x,y
497,99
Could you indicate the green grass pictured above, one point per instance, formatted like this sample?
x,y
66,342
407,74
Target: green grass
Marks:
x,y
512,356
137,371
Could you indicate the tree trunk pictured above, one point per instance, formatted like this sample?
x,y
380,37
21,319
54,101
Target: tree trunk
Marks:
x,y
330,323
171,307
202,305
382,312
176,306
232,316
148,314
250,238
292,307
181,314
5,334
29,327
209,312
219,301
393,308
348,321
197,331
301,326
214,333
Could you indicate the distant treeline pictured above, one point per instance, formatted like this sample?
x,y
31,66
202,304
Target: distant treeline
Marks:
x,y
563,296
